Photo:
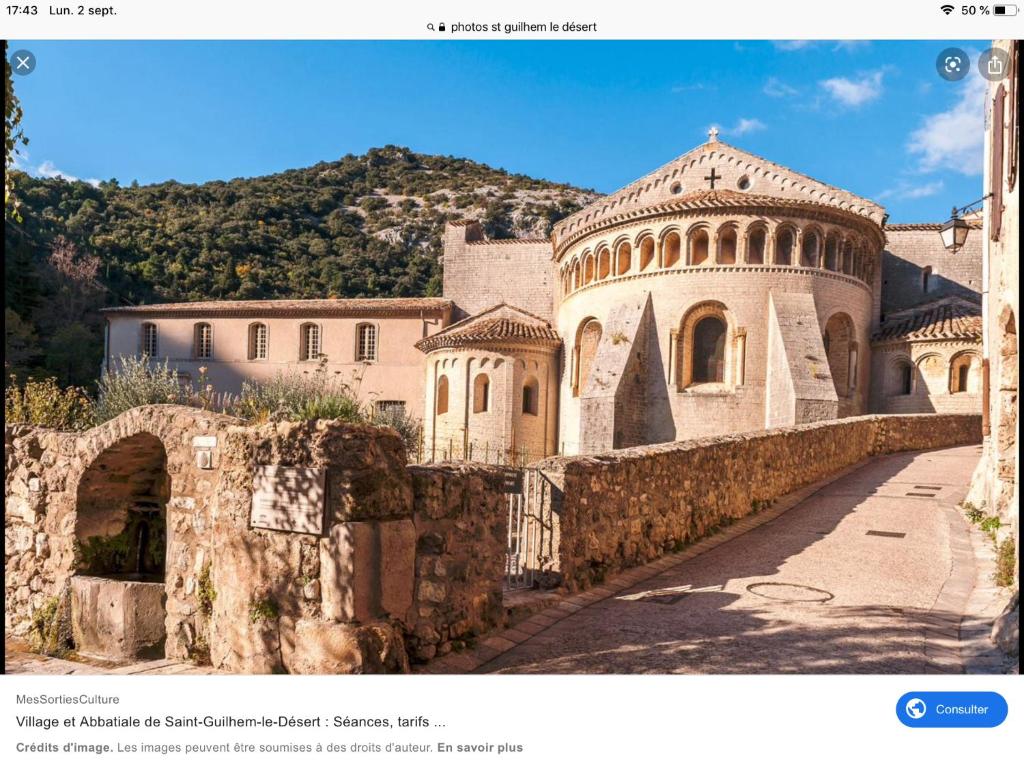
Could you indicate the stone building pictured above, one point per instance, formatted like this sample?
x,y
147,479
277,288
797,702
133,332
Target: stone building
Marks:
x,y
719,293
367,343
999,475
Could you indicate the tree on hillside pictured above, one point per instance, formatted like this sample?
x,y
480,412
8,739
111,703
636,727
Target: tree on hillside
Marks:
x,y
13,137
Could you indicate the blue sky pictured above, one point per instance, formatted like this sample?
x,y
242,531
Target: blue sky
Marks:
x,y
872,117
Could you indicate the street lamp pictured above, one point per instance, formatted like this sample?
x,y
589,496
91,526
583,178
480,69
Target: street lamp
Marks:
x,y
954,232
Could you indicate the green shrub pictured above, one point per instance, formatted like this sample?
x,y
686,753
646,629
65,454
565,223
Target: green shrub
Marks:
x,y
1006,561
294,396
50,631
410,429
205,591
135,381
263,609
45,404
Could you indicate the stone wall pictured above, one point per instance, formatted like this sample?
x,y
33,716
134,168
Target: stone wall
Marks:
x,y
912,248
460,512
624,508
406,556
479,273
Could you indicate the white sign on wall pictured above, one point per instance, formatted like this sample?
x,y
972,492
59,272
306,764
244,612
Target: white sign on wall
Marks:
x,y
288,499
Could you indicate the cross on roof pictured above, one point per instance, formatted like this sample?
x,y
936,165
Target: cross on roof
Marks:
x,y
713,133
712,178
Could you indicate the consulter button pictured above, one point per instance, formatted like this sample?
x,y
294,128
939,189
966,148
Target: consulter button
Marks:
x,y
951,709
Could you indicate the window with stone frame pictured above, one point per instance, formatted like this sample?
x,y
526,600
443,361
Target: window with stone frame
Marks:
x,y
481,393
309,341
148,344
366,343
531,391
202,344
588,336
390,409
903,377
258,341
707,350
441,398
962,373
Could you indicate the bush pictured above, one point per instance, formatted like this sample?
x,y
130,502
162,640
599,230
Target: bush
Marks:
x,y
50,631
1006,561
45,404
409,428
134,381
294,396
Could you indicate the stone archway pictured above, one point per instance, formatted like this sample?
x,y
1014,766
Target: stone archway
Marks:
x,y
118,595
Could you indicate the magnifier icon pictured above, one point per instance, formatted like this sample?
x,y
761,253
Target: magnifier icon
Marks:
x,y
430,27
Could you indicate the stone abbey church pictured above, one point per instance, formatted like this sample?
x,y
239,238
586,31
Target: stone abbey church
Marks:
x,y
719,293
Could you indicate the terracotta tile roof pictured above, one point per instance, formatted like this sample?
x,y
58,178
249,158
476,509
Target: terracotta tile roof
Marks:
x,y
926,226
952,318
289,308
499,324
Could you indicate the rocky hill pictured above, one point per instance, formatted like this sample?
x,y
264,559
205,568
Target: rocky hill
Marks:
x,y
367,225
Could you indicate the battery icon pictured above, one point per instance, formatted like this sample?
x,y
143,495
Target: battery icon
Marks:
x,y
1004,10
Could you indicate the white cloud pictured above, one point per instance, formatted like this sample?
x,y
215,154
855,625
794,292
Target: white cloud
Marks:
x,y
794,45
954,139
906,190
746,125
742,127
688,87
777,89
857,92
48,170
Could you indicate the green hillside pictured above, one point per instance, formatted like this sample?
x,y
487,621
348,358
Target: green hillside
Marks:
x,y
360,226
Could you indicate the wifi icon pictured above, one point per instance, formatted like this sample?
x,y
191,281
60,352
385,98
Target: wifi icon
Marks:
x,y
946,9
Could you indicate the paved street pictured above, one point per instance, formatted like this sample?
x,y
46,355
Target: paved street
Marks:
x,y
868,575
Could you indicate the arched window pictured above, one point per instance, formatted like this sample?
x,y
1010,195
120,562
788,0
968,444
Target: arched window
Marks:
x,y
366,343
697,246
202,343
442,396
258,341
703,352
926,275
727,245
671,248
531,390
577,274
604,263
832,253
481,393
588,336
148,340
962,374
588,269
708,348
784,243
841,352
809,252
646,252
309,341
623,259
756,239
903,378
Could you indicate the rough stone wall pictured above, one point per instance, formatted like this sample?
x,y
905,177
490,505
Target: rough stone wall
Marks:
x,y
624,508
909,251
480,273
43,470
461,518
391,564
